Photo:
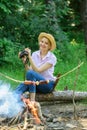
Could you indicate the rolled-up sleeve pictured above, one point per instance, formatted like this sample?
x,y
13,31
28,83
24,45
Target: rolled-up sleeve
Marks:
x,y
52,60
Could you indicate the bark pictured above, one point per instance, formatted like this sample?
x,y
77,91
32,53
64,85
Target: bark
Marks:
x,y
61,96
84,5
47,1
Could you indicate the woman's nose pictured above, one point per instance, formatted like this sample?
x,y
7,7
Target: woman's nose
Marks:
x,y
43,43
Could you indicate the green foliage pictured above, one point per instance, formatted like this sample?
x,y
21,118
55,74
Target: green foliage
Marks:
x,y
21,22
70,79
71,15
27,19
9,52
4,8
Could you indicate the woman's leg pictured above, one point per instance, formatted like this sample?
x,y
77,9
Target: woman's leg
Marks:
x,y
45,88
21,89
34,76
24,88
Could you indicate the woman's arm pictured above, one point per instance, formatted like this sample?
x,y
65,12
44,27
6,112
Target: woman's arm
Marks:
x,y
41,68
34,67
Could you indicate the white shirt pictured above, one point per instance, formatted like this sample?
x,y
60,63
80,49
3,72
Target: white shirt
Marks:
x,y
49,58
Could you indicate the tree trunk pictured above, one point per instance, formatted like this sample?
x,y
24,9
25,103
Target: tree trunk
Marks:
x,y
84,9
61,96
47,1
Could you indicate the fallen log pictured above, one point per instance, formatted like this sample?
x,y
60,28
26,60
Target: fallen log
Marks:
x,y
61,96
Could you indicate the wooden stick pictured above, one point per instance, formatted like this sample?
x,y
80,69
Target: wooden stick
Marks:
x,y
27,82
72,70
74,87
18,81
25,122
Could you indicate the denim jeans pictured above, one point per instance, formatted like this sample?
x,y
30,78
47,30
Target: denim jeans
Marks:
x,y
34,76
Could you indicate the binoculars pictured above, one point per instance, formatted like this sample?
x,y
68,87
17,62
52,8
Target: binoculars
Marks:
x,y
22,54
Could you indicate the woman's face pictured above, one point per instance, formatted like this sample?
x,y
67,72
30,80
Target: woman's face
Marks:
x,y
44,44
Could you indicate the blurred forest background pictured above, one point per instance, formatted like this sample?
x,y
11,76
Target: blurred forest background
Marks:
x,y
21,21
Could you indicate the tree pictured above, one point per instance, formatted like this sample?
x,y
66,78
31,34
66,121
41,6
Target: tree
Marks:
x,y
21,22
85,21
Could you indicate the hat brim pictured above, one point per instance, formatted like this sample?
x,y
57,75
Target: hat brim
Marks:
x,y
50,38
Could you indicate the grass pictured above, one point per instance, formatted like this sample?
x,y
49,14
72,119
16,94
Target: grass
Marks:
x,y
62,67
13,73
70,80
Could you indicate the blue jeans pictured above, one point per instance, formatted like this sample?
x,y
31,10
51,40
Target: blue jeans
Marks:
x,y
34,76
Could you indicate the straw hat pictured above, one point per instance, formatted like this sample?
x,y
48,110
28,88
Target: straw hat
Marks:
x,y
49,37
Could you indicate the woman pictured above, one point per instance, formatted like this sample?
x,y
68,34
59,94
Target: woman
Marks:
x,y
41,67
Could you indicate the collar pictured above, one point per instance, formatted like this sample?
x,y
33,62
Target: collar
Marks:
x,y
47,55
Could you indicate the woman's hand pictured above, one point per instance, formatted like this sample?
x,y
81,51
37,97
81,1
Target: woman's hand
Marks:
x,y
29,51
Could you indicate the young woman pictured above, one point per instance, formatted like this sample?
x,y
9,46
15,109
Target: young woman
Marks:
x,y
41,67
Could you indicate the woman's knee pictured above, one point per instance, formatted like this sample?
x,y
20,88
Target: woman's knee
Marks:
x,y
30,75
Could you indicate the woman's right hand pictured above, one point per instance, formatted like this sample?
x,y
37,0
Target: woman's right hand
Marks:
x,y
29,51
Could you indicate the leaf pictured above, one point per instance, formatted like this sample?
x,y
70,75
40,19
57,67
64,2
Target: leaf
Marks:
x,y
4,8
